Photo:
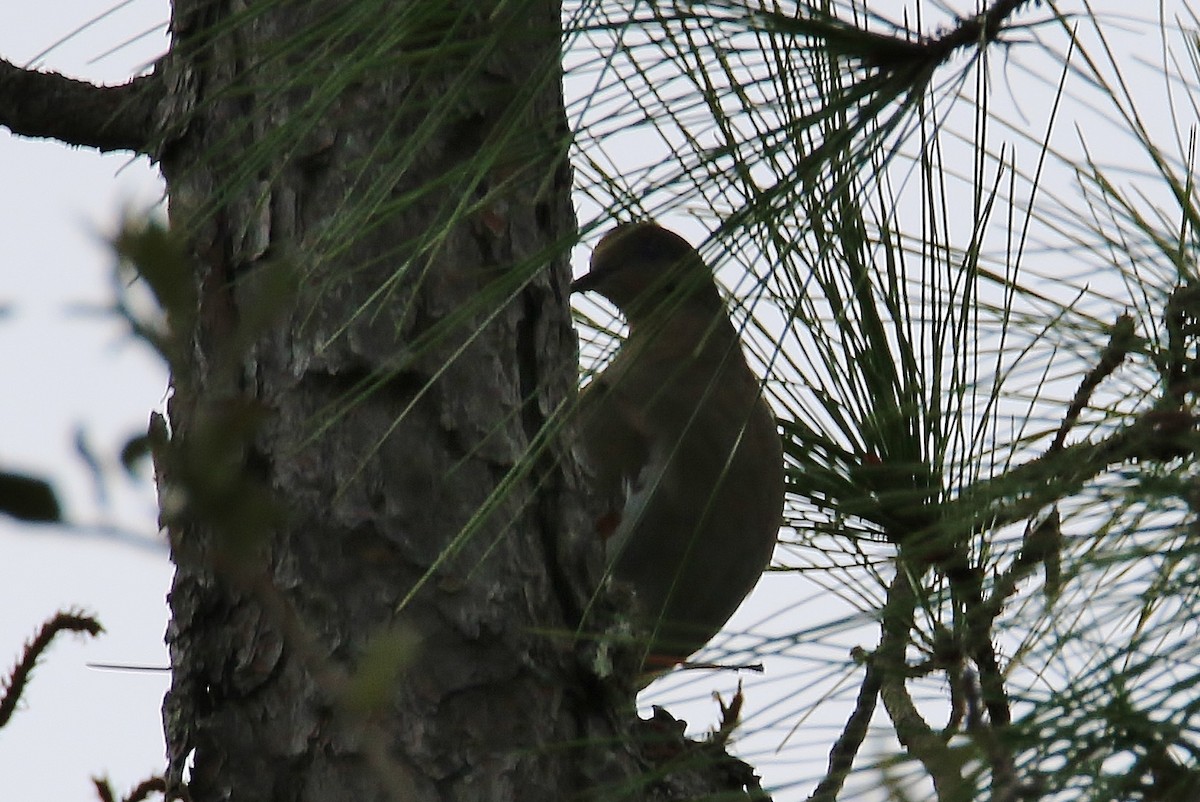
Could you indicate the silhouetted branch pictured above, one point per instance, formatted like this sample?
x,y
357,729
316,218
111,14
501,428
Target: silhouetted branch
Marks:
x,y
845,749
140,792
52,106
914,733
893,52
14,686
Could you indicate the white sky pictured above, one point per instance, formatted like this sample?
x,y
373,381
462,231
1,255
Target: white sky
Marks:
x,y
63,369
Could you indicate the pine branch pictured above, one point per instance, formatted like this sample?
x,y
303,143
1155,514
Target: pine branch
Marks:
x,y
48,105
845,749
944,765
906,51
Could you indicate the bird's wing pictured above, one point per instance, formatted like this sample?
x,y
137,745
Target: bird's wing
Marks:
x,y
617,449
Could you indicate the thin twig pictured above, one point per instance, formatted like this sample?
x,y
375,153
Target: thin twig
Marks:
x,y
1121,339
139,793
15,684
845,748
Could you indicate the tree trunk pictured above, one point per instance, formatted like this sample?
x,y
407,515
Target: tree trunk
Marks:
x,y
366,543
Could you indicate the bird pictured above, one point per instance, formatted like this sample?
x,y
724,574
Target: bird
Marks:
x,y
680,448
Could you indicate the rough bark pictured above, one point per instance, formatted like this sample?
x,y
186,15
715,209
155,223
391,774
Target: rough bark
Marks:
x,y
393,392
365,473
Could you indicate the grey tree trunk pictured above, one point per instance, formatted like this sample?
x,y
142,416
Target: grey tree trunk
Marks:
x,y
383,561
365,596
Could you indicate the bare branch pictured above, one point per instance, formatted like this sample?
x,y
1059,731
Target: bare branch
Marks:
x,y
1121,339
139,794
52,106
910,52
14,686
841,757
921,742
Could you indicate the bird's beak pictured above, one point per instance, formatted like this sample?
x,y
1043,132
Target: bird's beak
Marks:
x,y
584,283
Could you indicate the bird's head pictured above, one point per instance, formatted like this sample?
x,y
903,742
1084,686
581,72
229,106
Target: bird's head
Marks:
x,y
644,269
